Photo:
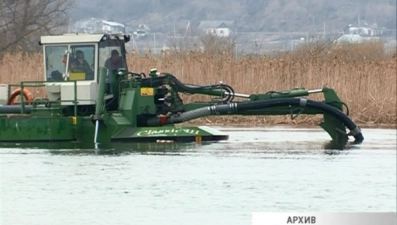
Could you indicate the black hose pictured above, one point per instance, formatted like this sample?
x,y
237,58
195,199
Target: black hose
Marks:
x,y
188,89
302,102
235,108
170,79
14,109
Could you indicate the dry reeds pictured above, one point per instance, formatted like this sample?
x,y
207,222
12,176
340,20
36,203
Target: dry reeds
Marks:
x,y
363,75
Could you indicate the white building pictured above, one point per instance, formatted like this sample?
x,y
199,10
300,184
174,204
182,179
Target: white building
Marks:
x,y
142,30
220,28
360,30
94,25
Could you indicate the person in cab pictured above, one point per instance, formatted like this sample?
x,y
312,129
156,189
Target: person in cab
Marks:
x,y
80,65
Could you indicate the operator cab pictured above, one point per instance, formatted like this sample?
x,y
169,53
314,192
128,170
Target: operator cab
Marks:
x,y
79,57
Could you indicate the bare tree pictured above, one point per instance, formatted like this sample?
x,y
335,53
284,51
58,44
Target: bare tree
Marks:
x,y
22,22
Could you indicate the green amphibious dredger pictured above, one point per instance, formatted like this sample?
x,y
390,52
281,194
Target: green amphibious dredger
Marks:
x,y
97,103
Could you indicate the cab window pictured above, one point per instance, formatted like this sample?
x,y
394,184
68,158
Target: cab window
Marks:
x,y
81,62
55,62
112,55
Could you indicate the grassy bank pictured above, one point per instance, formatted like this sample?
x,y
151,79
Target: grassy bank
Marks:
x,y
363,75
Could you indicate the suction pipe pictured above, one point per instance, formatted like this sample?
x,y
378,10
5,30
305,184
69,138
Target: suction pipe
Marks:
x,y
235,108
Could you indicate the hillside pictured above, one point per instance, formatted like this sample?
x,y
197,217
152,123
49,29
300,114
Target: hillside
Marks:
x,y
250,15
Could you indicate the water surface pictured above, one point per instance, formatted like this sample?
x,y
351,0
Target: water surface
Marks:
x,y
268,169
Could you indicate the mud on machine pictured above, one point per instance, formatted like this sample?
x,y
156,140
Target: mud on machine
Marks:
x,y
91,104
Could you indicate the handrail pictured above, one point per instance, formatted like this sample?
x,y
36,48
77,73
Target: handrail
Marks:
x,y
24,84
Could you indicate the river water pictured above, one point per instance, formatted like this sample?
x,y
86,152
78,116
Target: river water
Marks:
x,y
274,169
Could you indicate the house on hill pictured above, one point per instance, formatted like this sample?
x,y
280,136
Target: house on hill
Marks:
x,y
221,28
95,25
142,30
361,30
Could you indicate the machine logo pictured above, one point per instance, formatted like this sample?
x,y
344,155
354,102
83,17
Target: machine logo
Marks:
x,y
169,131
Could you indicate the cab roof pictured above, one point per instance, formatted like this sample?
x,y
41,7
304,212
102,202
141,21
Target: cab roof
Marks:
x,y
78,38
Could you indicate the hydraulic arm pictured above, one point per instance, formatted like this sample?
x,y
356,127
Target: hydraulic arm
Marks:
x,y
162,104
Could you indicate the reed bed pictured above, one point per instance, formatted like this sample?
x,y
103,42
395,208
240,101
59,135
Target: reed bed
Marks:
x,y
363,75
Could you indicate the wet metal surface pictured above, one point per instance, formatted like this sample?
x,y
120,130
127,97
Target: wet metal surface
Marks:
x,y
267,169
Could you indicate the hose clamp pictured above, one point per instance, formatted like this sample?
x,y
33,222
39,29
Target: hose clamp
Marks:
x,y
302,102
